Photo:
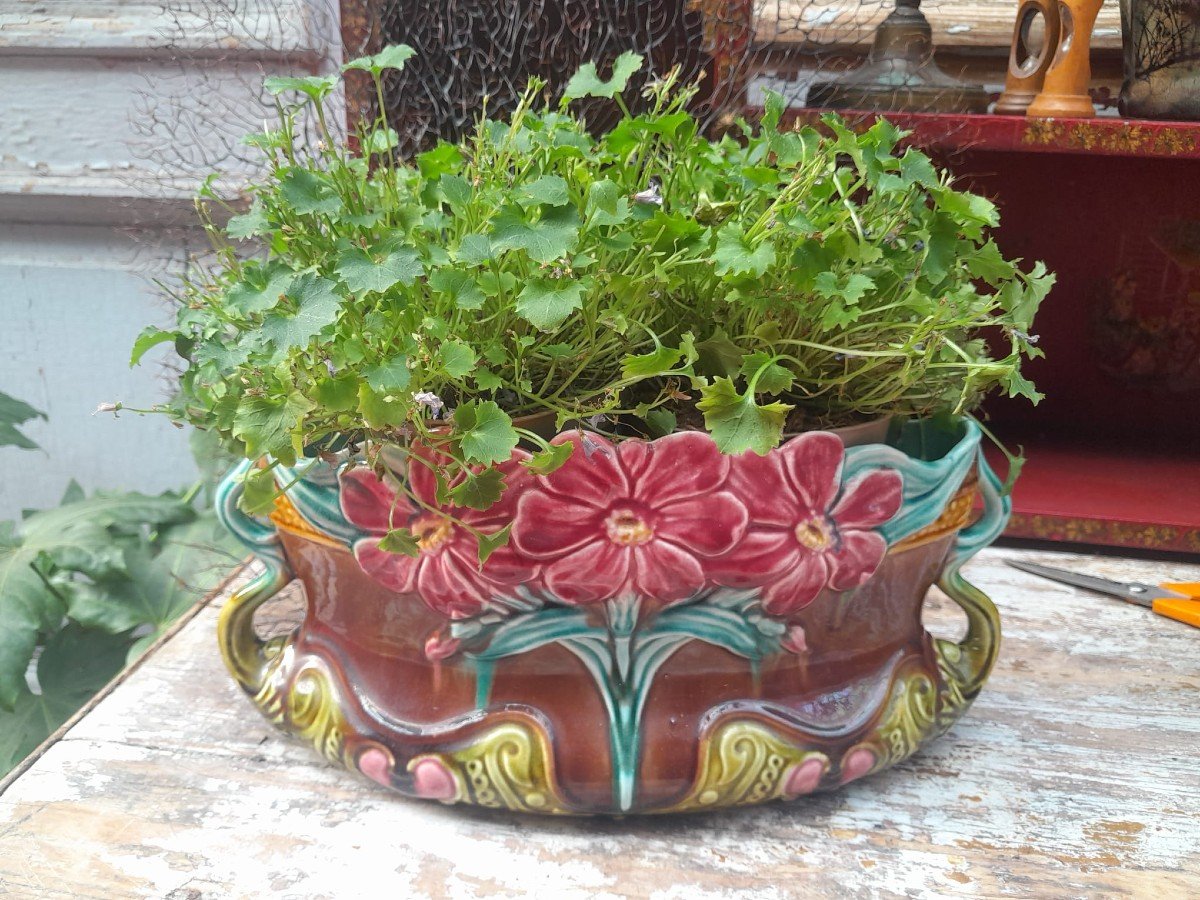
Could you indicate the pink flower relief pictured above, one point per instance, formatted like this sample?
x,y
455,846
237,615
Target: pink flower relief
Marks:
x,y
636,517
808,531
445,573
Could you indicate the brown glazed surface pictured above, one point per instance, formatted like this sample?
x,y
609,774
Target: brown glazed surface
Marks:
x,y
372,640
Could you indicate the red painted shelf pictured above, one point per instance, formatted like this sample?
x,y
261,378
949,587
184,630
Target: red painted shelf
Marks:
x,y
1101,136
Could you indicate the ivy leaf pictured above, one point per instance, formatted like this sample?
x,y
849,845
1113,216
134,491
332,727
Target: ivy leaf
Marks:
x,y
737,423
457,359
315,87
551,237
459,286
588,83
1021,298
735,256
391,377
647,365
381,140
547,304
14,412
382,409
308,193
337,394
478,490
552,458
260,290
490,543
149,338
400,540
393,56
456,190
317,307
606,203
258,492
772,378
1017,385
249,224
363,273
486,433
474,250
988,263
549,190
270,425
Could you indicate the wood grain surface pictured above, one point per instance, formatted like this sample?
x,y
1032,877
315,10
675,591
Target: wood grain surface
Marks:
x,y
1074,775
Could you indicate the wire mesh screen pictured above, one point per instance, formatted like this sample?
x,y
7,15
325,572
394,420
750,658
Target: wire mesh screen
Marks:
x,y
469,51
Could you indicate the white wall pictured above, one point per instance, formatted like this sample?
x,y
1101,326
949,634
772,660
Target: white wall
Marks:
x,y
110,113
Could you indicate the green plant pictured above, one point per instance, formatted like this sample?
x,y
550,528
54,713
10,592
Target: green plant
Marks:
x,y
85,588
641,280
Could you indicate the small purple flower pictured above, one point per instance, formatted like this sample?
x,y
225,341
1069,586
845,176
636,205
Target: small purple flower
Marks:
x,y
431,402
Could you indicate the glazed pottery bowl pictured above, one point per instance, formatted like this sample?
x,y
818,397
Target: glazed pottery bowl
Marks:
x,y
667,628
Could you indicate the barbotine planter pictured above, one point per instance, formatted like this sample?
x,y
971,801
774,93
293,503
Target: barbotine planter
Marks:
x,y
668,629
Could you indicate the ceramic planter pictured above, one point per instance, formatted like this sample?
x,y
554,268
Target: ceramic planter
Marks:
x,y
668,629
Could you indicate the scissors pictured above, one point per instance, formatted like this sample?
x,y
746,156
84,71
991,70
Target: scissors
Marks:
x,y
1180,602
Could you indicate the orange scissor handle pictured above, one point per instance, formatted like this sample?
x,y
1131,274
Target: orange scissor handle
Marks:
x,y
1179,609
1187,588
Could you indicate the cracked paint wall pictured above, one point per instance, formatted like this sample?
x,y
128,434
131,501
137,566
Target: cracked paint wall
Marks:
x,y
111,112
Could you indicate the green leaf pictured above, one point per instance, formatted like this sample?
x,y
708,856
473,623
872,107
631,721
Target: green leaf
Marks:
x,y
719,355
400,540
150,337
735,256
337,394
74,664
478,490
547,304
364,273
552,458
660,422
271,425
381,140
769,377
490,543
1017,385
249,224
258,492
485,431
459,286
588,83
315,87
14,412
306,192
549,190
382,409
80,529
457,359
989,264
658,362
606,203
393,56
551,237
474,250
456,190
391,377
1022,297
737,423
260,290
157,588
317,307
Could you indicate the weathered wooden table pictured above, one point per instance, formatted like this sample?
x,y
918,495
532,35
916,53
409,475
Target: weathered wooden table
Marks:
x,y
1075,775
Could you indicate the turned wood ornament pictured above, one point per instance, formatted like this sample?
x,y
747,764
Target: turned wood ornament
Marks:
x,y
1027,64
1065,87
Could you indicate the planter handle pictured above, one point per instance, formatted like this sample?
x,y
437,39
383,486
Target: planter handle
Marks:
x,y
247,655
965,665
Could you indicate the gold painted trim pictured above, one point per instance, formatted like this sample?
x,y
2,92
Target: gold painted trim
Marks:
x,y
287,518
